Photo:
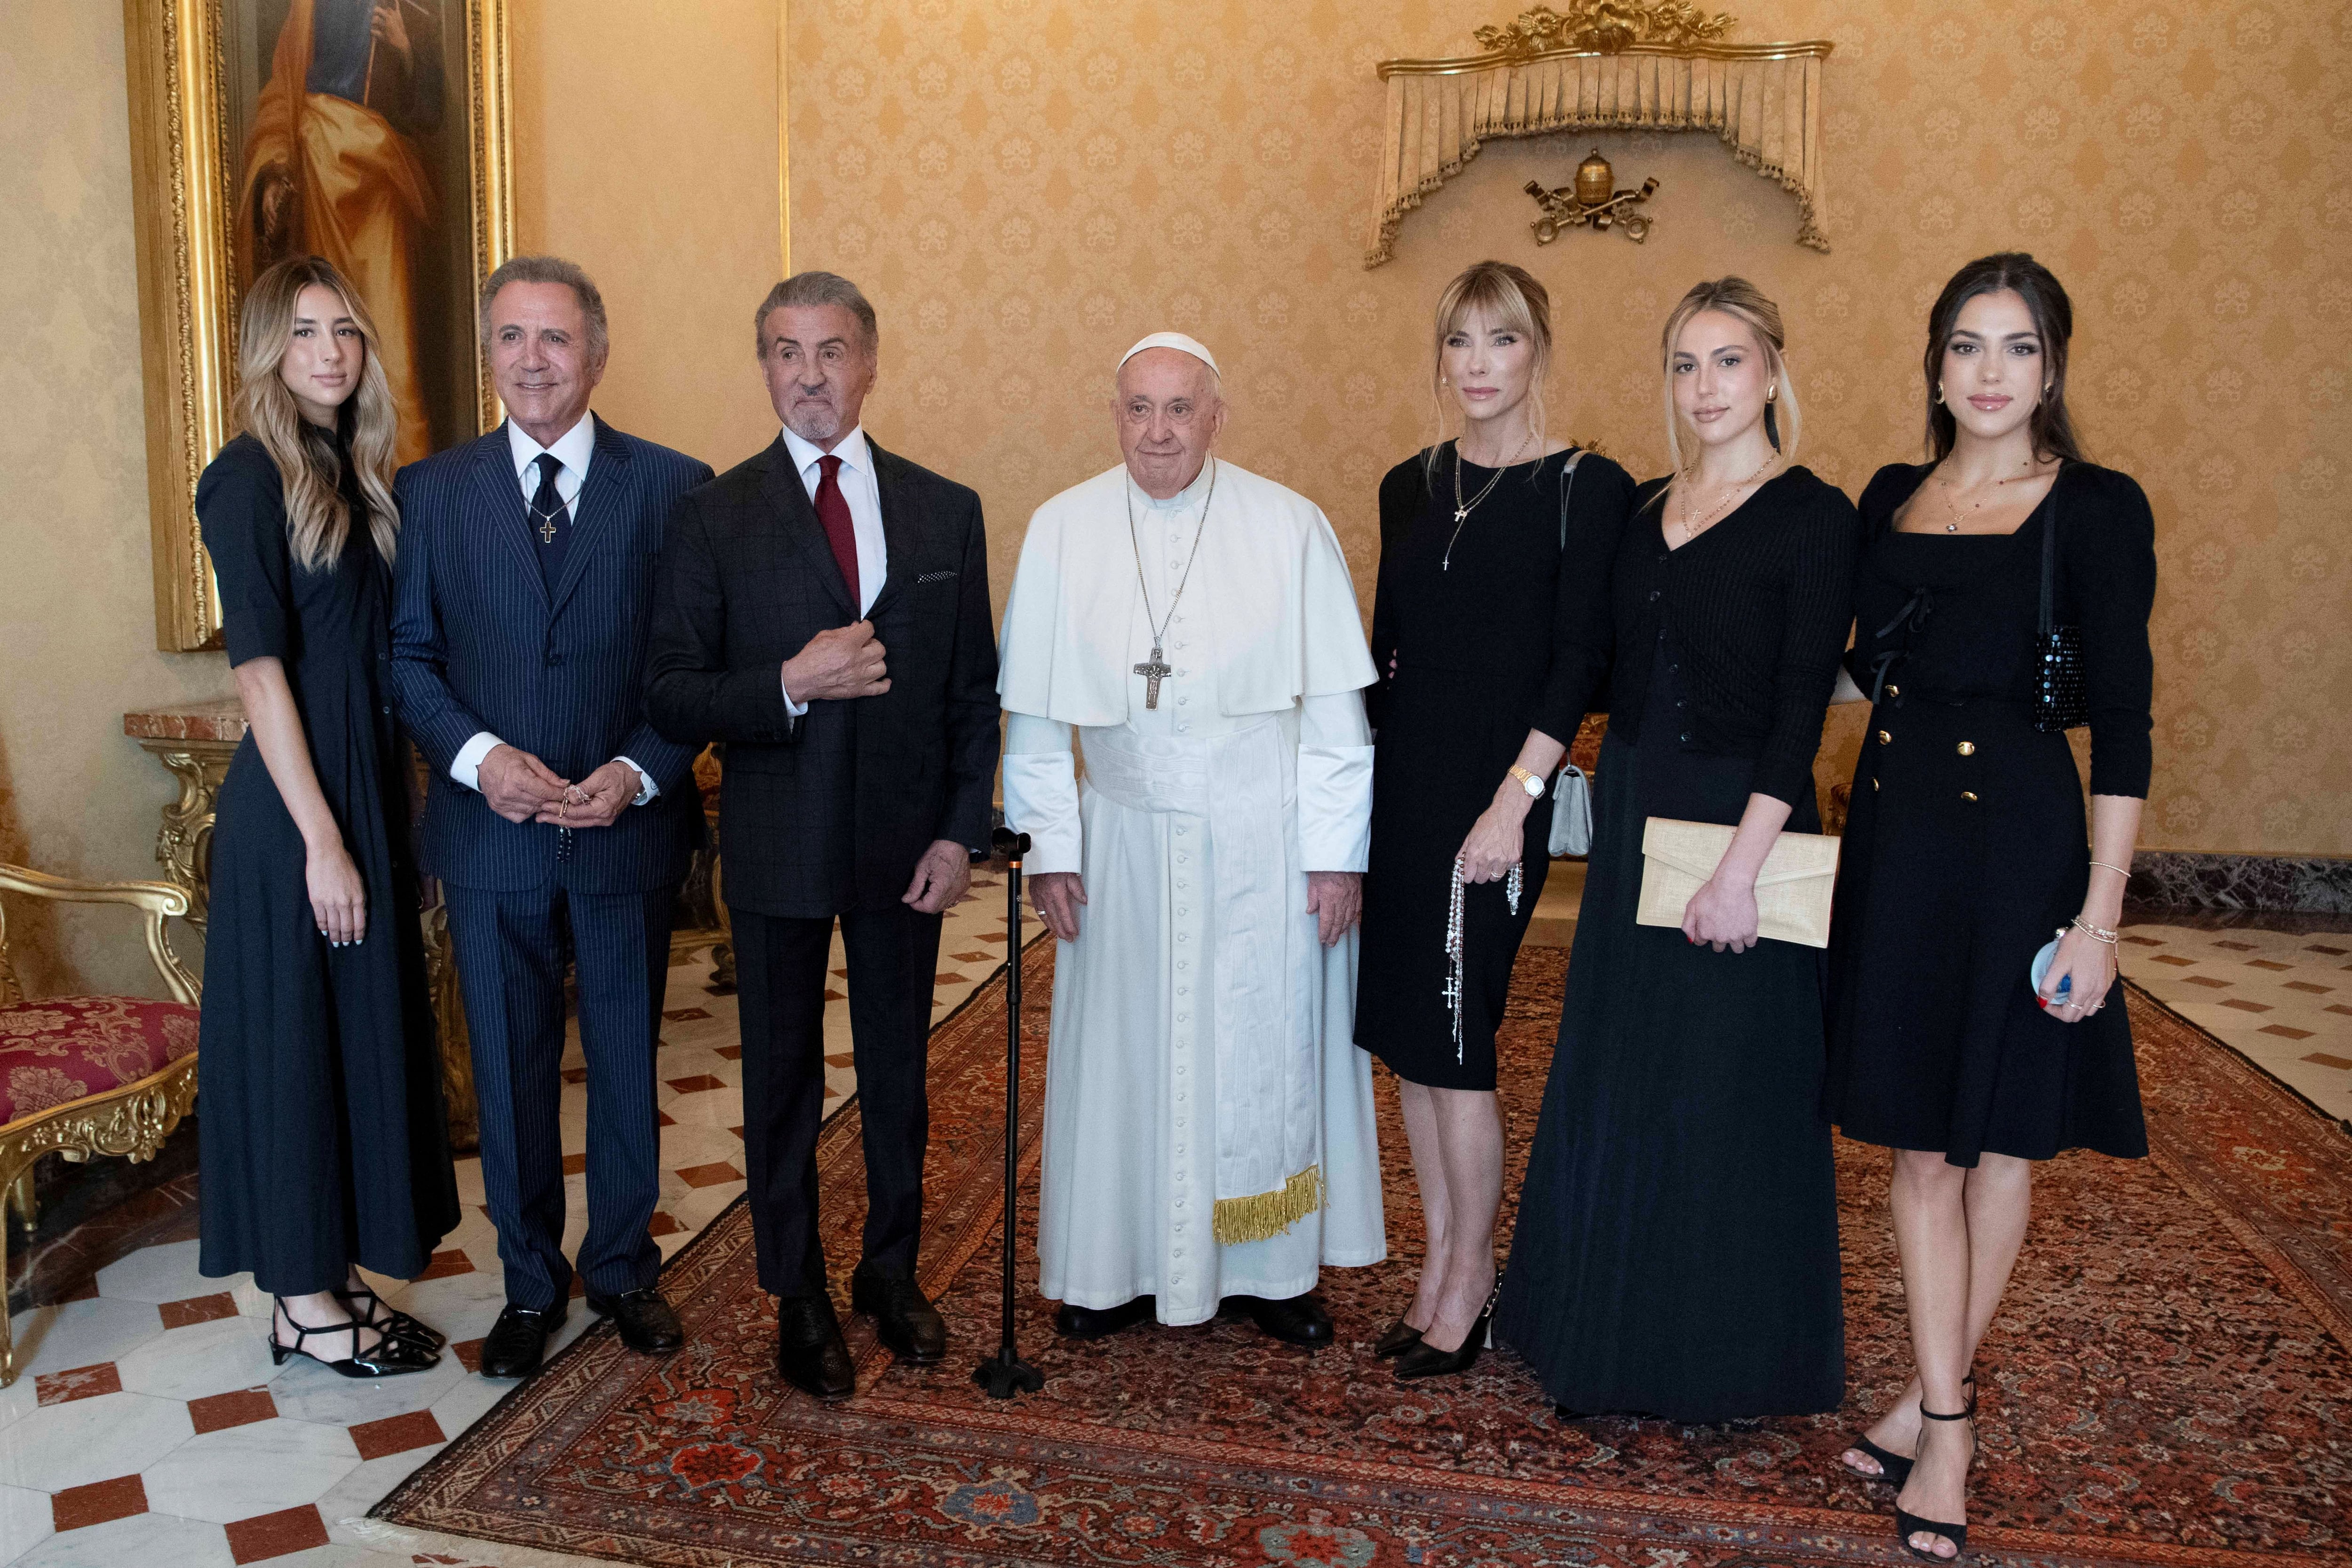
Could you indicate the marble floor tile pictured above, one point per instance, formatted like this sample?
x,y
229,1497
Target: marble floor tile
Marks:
x,y
25,1521
200,1360
167,1273
245,1472
364,1486
307,1392
89,1440
78,1333
142,1540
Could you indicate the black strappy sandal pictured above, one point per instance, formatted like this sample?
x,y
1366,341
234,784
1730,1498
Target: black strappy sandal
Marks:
x,y
388,1357
1911,1524
390,1321
1896,1468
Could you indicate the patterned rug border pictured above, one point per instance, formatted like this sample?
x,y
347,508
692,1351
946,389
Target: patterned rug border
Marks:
x,y
1658,1522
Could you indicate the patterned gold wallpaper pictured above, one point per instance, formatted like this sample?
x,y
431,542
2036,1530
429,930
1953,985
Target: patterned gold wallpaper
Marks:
x,y
1024,186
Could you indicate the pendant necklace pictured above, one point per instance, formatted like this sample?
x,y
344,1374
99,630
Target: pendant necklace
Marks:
x,y
1456,950
1156,669
1463,508
1692,530
1944,488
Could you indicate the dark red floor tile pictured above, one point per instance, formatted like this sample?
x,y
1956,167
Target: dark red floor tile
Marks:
x,y
278,1534
710,1174
76,1508
397,1434
681,1015
468,1353
78,1382
700,1083
444,1264
197,1309
576,1165
241,1408
663,1223
731,1052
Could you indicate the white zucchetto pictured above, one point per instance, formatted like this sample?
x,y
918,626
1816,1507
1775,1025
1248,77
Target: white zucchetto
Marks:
x,y
1180,342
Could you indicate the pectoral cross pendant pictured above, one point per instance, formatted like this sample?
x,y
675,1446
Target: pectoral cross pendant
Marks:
x,y
1153,671
547,531
1461,516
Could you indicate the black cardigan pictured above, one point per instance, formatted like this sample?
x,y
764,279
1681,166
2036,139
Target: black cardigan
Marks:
x,y
1981,645
1758,609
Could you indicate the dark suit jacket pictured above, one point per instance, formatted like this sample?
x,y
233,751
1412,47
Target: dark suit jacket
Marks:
x,y
830,811
479,644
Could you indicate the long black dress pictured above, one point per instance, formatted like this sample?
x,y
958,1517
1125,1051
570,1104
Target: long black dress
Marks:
x,y
1487,648
1965,845
1676,1252
325,1141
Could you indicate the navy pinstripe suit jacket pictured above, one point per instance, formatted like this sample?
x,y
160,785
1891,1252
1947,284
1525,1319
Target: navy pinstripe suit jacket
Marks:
x,y
478,642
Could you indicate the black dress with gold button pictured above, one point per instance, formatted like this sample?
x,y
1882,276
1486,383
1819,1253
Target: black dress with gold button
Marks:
x,y
1965,848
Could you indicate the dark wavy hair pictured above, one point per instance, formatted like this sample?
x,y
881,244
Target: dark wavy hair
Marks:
x,y
2053,320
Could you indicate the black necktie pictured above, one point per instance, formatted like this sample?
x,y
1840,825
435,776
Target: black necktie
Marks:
x,y
550,521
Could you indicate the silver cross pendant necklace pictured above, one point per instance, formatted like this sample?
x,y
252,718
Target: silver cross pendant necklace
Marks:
x,y
1156,669
1462,508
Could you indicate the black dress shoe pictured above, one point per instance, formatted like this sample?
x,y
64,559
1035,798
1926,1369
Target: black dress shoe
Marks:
x,y
516,1341
647,1323
903,1316
810,1355
1300,1319
1402,1337
1101,1322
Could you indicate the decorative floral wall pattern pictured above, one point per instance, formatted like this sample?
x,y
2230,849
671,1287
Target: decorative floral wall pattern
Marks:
x,y
1025,186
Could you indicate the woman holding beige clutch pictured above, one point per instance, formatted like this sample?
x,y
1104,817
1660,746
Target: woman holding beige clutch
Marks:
x,y
1677,1249
2004,599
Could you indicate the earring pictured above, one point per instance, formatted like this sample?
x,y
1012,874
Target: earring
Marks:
x,y
1939,394
1772,392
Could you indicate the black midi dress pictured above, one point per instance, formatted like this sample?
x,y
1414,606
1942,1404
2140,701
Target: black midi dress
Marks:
x,y
1676,1248
1487,648
1966,843
325,1142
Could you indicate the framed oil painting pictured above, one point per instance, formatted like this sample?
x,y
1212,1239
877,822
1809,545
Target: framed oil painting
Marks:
x,y
372,132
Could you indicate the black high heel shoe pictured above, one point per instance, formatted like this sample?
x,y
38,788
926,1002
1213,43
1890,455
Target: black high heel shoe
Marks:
x,y
1425,1360
1402,1337
1896,1468
388,1357
1911,1524
390,1321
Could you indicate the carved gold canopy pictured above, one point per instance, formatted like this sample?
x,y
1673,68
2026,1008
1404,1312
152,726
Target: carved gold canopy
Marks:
x,y
1605,64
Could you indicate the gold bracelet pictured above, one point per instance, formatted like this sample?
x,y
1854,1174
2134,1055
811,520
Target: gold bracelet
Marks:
x,y
2094,932
2117,869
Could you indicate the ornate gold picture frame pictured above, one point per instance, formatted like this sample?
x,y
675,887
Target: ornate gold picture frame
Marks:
x,y
375,132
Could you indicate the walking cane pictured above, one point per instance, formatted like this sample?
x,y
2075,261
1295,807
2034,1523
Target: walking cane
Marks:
x,y
1004,1374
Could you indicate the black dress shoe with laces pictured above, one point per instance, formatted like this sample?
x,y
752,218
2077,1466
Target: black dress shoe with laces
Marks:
x,y
810,1355
1101,1322
1298,1319
903,1316
518,1340
648,1324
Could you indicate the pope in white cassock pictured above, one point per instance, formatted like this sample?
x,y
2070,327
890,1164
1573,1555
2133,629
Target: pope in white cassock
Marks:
x,y
1208,1137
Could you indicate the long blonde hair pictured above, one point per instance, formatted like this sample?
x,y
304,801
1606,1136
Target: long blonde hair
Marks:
x,y
1509,297
1735,297
318,522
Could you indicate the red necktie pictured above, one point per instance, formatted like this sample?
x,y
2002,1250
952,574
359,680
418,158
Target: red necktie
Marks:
x,y
832,511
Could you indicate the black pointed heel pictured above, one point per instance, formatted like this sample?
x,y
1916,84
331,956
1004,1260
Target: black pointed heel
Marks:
x,y
389,1319
388,1357
1402,1337
1425,1360
1911,1524
1896,1468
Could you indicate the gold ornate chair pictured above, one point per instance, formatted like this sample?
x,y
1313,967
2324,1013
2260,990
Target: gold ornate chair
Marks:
x,y
89,1075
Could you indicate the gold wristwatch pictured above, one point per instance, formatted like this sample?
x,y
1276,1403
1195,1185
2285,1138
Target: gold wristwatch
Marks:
x,y
1528,781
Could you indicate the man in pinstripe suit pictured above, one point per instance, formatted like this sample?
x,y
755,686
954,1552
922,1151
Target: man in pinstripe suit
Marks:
x,y
823,611
558,819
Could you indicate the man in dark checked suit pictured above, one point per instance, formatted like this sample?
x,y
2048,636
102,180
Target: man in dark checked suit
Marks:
x,y
557,818
823,611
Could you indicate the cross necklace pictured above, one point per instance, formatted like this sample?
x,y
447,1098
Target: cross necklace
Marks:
x,y
546,520
1156,668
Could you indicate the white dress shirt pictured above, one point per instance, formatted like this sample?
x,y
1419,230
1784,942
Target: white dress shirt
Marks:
x,y
574,449
864,493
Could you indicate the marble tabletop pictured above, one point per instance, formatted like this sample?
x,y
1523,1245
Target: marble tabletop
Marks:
x,y
218,719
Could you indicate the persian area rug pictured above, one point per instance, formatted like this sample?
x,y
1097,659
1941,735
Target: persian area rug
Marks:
x,y
2170,1383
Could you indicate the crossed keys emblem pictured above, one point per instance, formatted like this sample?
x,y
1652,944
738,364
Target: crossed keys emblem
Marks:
x,y
1594,201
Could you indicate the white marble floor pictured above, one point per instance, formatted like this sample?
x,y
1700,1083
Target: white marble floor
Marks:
x,y
2281,998
148,1425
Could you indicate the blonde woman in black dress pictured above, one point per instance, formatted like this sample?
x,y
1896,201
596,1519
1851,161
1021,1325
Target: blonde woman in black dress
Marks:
x,y
1678,1244
1965,848
1494,558
325,1141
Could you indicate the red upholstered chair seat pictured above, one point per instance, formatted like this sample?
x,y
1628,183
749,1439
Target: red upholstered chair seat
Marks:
x,y
63,1048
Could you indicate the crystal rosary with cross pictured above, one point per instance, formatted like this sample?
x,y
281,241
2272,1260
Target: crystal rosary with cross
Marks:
x,y
1455,989
1156,669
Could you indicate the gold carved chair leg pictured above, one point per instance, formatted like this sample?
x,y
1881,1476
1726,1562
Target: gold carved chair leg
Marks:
x,y
23,1207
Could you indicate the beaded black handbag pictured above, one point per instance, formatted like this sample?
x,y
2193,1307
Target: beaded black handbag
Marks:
x,y
2061,701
